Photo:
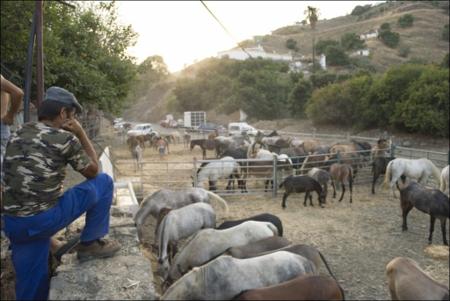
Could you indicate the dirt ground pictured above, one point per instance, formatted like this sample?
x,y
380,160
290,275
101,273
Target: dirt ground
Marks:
x,y
357,239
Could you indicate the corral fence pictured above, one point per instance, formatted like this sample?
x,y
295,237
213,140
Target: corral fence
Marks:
x,y
258,173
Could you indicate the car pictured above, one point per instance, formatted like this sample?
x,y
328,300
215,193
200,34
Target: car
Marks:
x,y
210,126
236,128
141,129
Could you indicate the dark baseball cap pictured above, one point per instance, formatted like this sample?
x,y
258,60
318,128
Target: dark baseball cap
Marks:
x,y
63,96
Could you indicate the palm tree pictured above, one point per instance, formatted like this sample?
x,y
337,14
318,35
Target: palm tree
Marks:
x,y
312,16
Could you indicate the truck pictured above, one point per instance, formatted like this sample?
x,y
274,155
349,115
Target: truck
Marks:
x,y
193,119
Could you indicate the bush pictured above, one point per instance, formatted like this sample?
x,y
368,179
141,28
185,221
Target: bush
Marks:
x,y
406,20
299,97
359,10
321,79
321,45
385,27
404,51
445,62
389,38
336,56
291,44
351,41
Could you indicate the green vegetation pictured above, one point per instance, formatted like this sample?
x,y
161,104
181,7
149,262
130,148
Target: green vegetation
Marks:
x,y
321,45
388,37
445,34
84,49
359,10
404,51
291,44
406,20
351,41
336,56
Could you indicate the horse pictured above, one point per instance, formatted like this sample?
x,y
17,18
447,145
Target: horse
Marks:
x,y
137,156
263,217
296,154
430,201
379,165
207,244
173,199
407,281
186,140
224,168
354,153
321,176
255,248
342,173
205,144
311,145
132,141
318,159
302,184
304,287
225,277
181,223
419,169
380,149
444,180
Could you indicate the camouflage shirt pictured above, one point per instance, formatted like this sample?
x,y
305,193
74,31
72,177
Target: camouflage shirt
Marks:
x,y
35,167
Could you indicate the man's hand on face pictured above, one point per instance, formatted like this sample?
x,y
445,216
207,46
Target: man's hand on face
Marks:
x,y
72,125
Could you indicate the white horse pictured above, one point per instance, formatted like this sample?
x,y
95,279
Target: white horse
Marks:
x,y
210,243
137,156
179,224
173,199
225,277
444,180
418,169
223,168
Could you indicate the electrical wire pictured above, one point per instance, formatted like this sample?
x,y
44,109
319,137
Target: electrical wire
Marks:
x,y
224,28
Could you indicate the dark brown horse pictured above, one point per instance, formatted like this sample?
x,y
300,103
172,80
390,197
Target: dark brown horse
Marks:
x,y
205,144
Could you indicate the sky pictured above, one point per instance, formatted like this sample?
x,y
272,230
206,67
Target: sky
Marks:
x,y
183,32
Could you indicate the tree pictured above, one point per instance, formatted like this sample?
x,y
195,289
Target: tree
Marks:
x,y
291,44
312,16
388,37
336,56
406,20
321,45
359,10
299,96
351,41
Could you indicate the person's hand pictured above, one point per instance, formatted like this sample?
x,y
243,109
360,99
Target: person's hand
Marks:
x,y
72,125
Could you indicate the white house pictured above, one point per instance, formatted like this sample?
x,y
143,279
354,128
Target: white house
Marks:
x,y
361,52
258,51
369,35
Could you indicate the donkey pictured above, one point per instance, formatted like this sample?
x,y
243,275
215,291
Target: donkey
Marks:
x,y
430,201
302,184
225,277
407,281
321,176
210,243
304,287
173,199
181,223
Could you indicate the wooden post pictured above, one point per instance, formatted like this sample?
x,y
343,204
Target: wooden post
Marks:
x,y
40,52
28,71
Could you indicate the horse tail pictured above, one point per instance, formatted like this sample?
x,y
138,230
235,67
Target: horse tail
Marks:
x,y
282,183
326,265
387,176
218,198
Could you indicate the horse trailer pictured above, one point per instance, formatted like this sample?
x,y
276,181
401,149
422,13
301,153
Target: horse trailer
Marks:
x,y
194,119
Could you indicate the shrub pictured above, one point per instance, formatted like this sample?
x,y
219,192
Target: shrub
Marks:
x,y
321,45
389,38
445,34
404,51
359,10
291,44
351,41
406,20
336,56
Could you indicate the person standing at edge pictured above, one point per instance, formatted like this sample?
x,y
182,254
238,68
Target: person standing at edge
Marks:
x,y
34,204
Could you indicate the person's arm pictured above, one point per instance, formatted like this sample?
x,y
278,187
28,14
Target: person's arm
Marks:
x,y
16,99
75,127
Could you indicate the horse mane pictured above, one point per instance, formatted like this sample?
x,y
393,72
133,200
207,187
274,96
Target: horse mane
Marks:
x,y
201,166
362,144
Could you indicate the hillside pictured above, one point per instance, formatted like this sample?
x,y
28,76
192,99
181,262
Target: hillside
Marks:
x,y
423,38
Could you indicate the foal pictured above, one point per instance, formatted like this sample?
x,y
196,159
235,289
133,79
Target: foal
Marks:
x,y
430,201
341,173
302,184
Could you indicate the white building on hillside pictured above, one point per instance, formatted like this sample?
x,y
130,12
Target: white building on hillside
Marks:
x,y
369,35
258,51
361,52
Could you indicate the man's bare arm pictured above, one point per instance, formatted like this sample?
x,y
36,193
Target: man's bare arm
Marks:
x,y
16,99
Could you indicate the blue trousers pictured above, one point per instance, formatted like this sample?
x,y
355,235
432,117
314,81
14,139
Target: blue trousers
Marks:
x,y
30,236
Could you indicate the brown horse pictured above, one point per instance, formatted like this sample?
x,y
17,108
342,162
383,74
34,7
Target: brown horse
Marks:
x,y
341,173
205,144
380,149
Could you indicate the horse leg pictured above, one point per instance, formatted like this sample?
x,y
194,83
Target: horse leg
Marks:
x,y
443,221
374,180
350,185
432,221
310,199
306,198
204,153
343,191
283,203
406,207
334,188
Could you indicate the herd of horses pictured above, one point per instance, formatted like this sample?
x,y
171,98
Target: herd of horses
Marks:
x,y
237,259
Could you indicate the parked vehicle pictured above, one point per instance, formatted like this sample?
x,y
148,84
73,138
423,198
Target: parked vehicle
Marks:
x,y
140,129
235,128
194,119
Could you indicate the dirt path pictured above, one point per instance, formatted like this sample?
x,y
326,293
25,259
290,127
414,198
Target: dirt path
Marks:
x,y
357,239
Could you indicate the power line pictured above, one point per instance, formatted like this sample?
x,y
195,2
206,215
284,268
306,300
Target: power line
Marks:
x,y
224,28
